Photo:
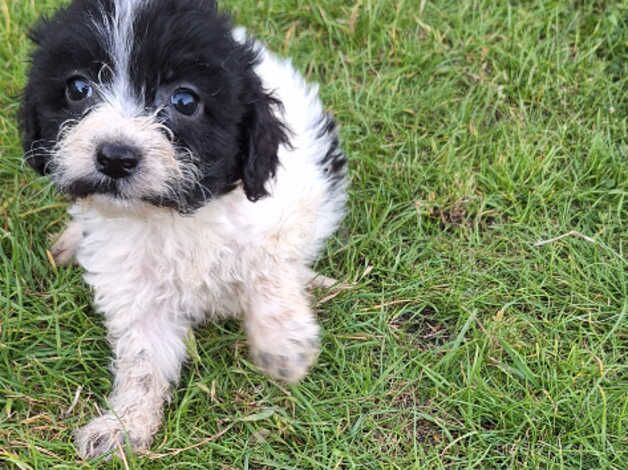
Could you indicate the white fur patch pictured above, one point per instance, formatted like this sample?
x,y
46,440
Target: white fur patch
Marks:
x,y
116,32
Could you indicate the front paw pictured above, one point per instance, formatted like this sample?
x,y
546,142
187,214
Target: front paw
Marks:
x,y
64,249
106,434
287,353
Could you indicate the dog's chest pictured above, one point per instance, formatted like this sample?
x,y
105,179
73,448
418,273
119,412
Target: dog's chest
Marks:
x,y
164,263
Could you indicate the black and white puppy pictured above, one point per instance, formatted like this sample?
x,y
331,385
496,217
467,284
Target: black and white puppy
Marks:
x,y
205,176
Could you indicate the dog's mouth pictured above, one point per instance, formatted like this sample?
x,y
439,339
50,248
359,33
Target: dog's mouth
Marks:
x,y
121,192
84,187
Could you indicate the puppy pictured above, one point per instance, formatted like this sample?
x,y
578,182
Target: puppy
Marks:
x,y
205,178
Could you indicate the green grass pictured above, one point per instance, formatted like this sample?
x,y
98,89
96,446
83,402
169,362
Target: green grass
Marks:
x,y
474,129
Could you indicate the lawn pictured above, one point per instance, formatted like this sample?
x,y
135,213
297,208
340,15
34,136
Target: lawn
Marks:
x,y
473,334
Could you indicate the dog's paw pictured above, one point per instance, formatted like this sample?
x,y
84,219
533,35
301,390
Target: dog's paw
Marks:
x,y
287,353
104,435
64,249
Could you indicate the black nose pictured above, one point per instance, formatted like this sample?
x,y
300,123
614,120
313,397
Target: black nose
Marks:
x,y
117,160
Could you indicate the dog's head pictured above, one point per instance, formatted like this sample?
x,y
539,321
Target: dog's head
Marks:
x,y
148,100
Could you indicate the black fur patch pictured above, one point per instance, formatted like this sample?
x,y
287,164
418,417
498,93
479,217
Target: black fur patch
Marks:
x,y
334,162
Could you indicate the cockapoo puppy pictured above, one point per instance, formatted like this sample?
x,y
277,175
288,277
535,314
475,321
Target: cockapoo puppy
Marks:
x,y
205,178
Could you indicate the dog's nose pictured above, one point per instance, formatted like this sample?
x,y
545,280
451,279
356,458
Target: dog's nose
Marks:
x,y
117,160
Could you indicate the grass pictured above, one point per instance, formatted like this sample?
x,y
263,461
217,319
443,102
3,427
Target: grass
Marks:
x,y
475,129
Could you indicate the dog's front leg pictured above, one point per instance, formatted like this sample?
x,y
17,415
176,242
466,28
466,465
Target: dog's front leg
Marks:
x,y
65,247
148,358
282,331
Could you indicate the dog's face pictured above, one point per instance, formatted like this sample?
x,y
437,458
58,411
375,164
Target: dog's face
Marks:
x,y
147,100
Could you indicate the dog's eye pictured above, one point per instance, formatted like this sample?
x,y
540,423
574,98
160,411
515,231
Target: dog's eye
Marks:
x,y
185,101
78,89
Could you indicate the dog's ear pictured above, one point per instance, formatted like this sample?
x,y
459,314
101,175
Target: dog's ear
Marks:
x,y
263,133
31,132
28,116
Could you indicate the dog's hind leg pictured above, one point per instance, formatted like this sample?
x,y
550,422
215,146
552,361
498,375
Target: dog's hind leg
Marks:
x,y
64,249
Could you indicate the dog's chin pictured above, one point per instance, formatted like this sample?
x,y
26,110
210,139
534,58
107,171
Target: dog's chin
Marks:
x,y
116,205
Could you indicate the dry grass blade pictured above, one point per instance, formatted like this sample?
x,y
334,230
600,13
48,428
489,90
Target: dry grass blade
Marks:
x,y
173,452
572,233
75,400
